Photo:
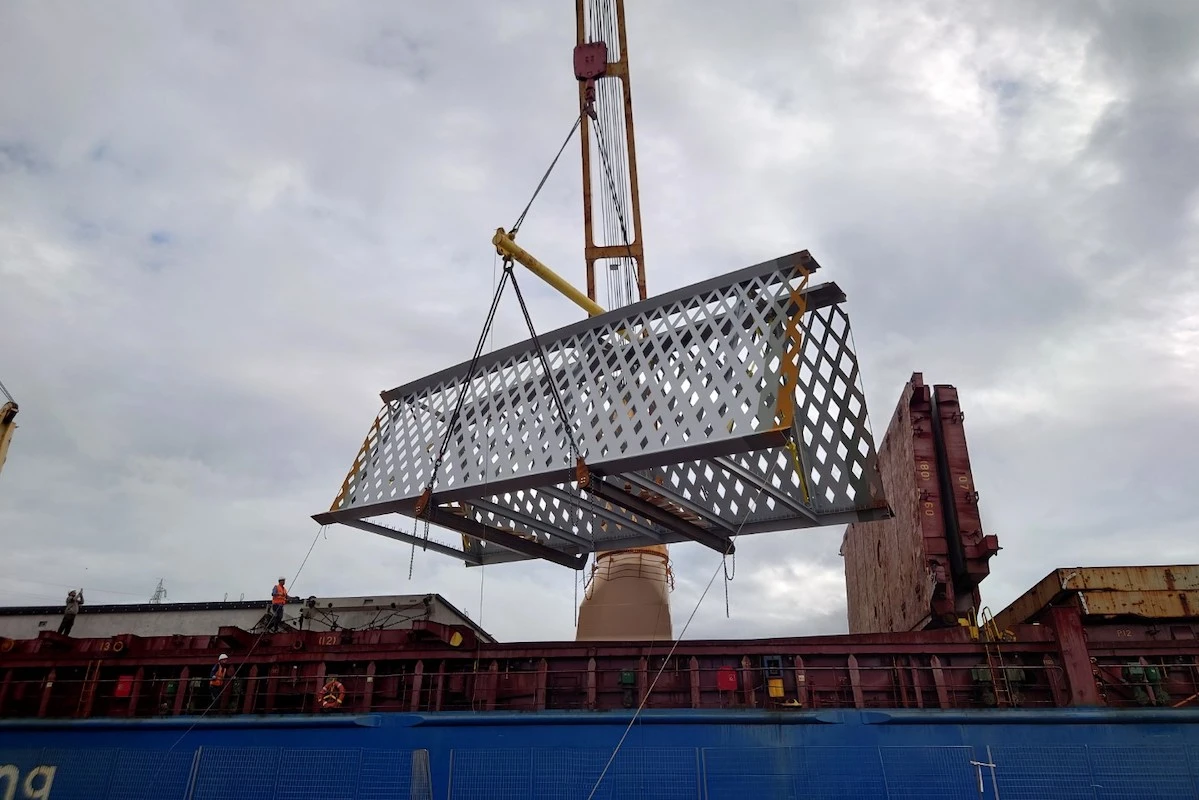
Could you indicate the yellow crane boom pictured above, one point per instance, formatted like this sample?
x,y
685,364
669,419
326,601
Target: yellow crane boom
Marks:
x,y
8,415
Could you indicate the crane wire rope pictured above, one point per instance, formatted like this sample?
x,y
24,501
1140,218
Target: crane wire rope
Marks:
x,y
212,703
520,220
555,393
453,421
463,387
467,382
624,290
615,155
606,118
618,164
495,260
624,231
750,508
597,32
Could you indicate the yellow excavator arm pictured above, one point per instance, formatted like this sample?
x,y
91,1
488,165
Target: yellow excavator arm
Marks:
x,y
8,416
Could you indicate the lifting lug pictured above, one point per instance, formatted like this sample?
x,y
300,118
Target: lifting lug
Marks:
x,y
422,502
501,234
582,474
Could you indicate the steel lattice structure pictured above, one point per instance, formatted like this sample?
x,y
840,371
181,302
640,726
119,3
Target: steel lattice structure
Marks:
x,y
731,405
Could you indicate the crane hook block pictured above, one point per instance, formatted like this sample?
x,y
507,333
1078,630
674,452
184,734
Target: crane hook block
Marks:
x,y
591,61
591,64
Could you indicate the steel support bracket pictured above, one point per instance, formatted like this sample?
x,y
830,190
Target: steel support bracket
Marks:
x,y
719,539
582,474
504,539
423,502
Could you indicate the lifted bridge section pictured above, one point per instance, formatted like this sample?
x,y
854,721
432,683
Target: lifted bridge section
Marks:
x,y
730,406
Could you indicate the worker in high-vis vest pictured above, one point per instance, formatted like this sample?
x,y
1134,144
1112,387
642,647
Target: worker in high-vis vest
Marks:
x,y
279,599
218,676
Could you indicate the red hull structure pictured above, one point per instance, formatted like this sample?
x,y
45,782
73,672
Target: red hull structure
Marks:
x,y
1067,660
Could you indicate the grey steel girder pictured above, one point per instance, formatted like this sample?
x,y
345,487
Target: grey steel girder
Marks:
x,y
730,407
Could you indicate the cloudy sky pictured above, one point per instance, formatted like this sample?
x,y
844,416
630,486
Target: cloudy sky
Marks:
x,y
225,227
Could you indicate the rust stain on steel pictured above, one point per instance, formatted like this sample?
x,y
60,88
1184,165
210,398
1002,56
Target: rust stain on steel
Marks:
x,y
932,513
1162,592
396,670
896,569
922,567
1147,605
1173,577
977,546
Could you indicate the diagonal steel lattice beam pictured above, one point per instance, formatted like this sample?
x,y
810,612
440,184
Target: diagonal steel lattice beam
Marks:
x,y
733,405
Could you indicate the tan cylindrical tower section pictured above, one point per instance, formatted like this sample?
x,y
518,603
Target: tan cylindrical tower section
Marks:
x,y
628,598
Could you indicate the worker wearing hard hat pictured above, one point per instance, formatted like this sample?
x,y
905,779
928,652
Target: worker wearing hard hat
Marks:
x,y
74,603
218,677
279,598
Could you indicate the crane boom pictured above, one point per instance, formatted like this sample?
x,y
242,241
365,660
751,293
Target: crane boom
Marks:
x,y
8,415
609,153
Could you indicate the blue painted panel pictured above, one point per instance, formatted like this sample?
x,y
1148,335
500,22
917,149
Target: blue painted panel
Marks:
x,y
80,773
497,774
929,773
840,772
318,775
728,770
148,775
24,759
21,768
818,773
1194,763
1140,773
1031,773
668,756
247,773
384,774
569,774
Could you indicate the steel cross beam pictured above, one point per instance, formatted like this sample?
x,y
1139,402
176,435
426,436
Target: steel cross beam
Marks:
x,y
734,404
717,538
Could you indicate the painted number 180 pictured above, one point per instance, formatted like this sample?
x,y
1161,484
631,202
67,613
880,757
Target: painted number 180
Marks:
x,y
36,784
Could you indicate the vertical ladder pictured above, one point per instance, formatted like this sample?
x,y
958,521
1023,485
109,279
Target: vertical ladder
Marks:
x,y
88,692
1000,682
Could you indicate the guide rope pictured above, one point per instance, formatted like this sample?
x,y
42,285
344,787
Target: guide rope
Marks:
x,y
520,220
509,275
719,567
236,670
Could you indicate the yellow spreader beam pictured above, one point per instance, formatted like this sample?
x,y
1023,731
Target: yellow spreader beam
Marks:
x,y
8,414
506,247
